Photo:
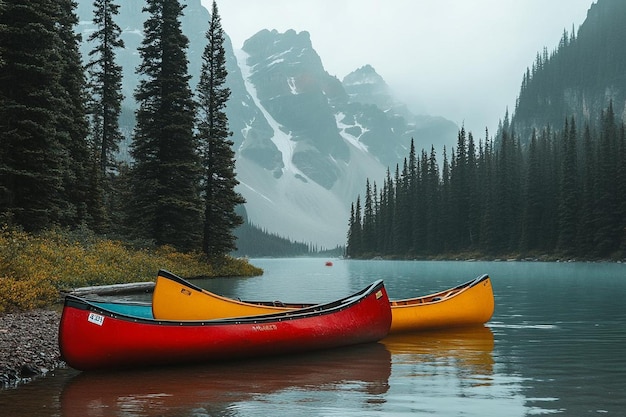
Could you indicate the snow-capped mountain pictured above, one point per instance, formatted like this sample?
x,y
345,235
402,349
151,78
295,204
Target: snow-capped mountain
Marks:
x,y
305,141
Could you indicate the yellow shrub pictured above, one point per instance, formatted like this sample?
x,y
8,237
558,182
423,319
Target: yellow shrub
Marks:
x,y
34,268
25,295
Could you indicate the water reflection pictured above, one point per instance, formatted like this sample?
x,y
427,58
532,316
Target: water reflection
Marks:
x,y
220,389
456,362
469,349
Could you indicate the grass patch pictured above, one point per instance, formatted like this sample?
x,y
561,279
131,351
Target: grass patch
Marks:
x,y
35,268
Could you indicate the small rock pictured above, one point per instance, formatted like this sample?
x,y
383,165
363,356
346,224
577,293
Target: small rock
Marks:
x,y
28,371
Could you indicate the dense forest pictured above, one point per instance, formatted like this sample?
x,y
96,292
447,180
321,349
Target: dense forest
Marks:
x,y
60,131
561,196
255,242
585,71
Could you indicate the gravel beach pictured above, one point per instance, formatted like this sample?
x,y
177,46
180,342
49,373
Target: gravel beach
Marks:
x,y
28,346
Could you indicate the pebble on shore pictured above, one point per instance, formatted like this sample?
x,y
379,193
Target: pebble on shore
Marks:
x,y
29,346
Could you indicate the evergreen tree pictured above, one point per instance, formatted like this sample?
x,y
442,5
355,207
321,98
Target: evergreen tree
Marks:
x,y
586,227
105,84
445,233
550,167
569,191
34,162
385,223
419,205
508,194
415,200
369,235
403,229
620,180
72,120
354,248
474,194
488,229
460,193
433,205
2,7
165,203
606,235
218,157
350,237
377,241
533,198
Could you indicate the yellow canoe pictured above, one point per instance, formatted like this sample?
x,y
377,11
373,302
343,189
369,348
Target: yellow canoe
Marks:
x,y
468,304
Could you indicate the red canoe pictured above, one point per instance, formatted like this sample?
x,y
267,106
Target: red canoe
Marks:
x,y
97,336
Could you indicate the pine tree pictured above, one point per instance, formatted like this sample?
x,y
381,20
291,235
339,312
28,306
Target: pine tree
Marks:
x,y
419,204
533,198
475,197
2,8
488,229
218,157
369,234
586,227
105,83
507,194
350,245
433,205
385,222
403,230
550,167
445,233
165,204
569,198
606,235
460,193
620,180
33,153
354,248
72,119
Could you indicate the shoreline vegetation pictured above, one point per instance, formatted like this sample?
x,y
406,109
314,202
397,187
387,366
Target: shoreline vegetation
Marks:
x,y
477,257
36,269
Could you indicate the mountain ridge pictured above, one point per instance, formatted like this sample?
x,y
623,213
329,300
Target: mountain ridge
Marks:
x,y
304,145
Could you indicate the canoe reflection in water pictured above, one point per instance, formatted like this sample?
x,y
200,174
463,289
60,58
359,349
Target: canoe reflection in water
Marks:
x,y
212,388
468,350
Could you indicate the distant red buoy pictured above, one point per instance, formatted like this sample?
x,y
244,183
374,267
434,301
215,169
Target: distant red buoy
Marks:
x,y
329,263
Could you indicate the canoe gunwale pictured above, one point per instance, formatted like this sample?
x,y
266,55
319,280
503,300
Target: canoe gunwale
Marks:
x,y
163,273
310,311
440,296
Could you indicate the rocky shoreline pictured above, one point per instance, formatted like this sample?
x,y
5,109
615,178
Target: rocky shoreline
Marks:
x,y
29,340
28,346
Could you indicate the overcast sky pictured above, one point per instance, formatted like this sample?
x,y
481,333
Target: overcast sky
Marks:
x,y
460,59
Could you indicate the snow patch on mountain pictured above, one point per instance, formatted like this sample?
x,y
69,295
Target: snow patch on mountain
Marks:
x,y
306,211
281,139
350,138
292,85
292,205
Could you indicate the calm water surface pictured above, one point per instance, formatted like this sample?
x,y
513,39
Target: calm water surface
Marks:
x,y
555,345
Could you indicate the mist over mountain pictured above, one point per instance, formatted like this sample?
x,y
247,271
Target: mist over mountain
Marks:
x,y
305,141
580,77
